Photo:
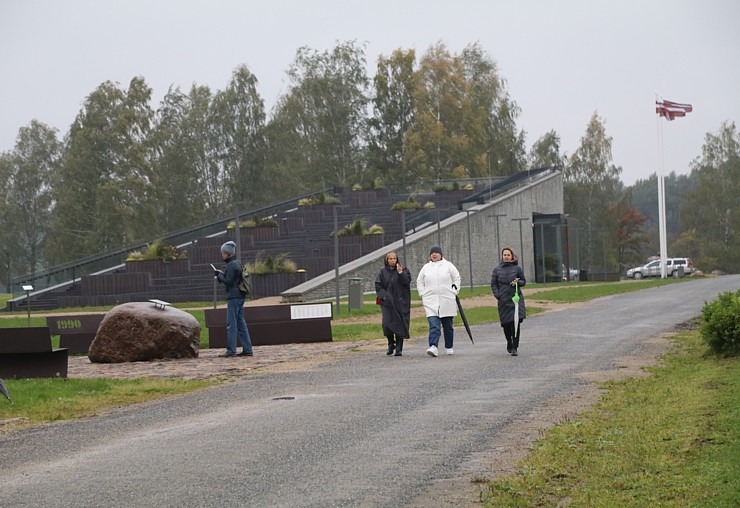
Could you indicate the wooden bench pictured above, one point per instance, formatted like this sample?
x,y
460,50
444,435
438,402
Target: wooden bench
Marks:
x,y
27,352
275,324
76,333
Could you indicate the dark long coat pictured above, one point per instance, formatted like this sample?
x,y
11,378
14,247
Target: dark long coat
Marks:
x,y
502,289
394,293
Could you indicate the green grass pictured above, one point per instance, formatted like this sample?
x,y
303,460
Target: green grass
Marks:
x,y
21,322
672,439
46,400
582,293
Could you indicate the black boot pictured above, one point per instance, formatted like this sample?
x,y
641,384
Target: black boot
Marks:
x,y
509,345
391,345
399,347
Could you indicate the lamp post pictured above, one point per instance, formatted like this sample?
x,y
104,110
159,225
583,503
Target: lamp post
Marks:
x,y
403,229
542,249
521,241
215,283
28,288
498,242
237,228
578,252
237,237
470,252
336,256
490,181
439,228
336,253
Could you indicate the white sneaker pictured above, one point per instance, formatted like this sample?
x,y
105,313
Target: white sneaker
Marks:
x,y
450,352
433,351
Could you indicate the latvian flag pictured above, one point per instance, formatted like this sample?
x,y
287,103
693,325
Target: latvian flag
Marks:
x,y
672,110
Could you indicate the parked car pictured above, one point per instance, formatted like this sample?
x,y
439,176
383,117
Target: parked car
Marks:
x,y
672,268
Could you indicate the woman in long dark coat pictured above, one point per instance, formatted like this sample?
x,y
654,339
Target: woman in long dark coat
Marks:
x,y
505,277
393,288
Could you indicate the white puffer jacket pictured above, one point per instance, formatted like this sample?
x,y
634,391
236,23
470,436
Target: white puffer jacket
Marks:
x,y
434,284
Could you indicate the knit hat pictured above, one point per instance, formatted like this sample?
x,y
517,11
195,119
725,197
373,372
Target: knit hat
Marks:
x,y
229,248
435,248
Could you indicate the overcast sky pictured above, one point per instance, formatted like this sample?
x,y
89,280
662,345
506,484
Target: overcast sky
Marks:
x,y
562,59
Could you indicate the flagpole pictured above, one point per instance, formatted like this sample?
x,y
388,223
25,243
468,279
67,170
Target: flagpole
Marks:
x,y
669,110
661,199
664,233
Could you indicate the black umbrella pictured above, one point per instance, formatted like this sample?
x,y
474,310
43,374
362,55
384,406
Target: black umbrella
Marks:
x,y
464,319
4,391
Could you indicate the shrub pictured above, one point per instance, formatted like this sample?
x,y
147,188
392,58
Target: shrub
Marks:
x,y
720,324
430,204
410,204
278,264
405,205
254,222
157,250
135,255
320,199
359,228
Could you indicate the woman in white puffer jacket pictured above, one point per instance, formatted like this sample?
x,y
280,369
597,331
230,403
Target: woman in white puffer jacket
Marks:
x,y
438,284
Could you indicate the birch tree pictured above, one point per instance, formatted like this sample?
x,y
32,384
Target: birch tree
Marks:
x,y
591,187
712,209
392,116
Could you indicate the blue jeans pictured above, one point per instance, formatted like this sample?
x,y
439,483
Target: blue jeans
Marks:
x,y
434,332
236,325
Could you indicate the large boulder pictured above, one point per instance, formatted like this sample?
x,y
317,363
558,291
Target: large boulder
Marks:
x,y
139,331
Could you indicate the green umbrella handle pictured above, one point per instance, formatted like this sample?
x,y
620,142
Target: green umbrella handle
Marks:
x,y
515,298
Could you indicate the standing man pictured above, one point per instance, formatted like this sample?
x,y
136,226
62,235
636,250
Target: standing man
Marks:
x,y
438,284
230,276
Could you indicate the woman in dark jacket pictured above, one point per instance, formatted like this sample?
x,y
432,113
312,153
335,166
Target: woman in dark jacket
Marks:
x,y
393,287
505,278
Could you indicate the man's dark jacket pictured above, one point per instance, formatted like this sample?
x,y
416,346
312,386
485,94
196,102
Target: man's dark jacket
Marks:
x,y
231,277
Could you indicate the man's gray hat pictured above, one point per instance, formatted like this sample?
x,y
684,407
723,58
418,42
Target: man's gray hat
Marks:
x,y
229,248
435,248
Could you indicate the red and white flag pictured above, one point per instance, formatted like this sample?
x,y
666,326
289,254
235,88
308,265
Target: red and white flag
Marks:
x,y
672,110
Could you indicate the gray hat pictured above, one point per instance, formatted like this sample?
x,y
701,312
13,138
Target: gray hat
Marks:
x,y
435,248
229,248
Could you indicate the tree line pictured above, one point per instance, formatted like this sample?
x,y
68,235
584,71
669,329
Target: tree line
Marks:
x,y
126,172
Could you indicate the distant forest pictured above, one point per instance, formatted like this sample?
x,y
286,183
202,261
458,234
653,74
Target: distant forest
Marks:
x,y
128,172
